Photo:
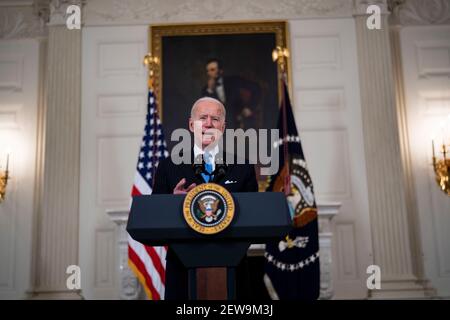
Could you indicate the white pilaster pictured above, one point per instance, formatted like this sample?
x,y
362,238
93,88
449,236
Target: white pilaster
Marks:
x,y
390,219
57,225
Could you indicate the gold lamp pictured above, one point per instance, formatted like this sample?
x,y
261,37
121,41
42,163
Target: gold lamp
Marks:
x,y
4,176
442,168
441,162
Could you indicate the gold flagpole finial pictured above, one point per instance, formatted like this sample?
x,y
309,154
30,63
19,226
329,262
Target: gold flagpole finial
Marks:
x,y
280,55
151,63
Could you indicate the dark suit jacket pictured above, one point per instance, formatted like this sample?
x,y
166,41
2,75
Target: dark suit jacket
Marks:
x,y
167,177
169,174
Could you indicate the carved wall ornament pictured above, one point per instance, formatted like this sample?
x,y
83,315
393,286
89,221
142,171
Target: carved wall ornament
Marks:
x,y
420,12
20,22
154,11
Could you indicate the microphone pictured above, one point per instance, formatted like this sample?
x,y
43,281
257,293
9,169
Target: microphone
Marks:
x,y
199,166
221,169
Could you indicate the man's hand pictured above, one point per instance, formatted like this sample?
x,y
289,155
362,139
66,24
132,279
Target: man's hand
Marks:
x,y
179,188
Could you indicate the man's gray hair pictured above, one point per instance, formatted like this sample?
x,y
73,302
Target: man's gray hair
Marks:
x,y
220,104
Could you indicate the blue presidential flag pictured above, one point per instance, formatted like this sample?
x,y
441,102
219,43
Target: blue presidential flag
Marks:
x,y
292,269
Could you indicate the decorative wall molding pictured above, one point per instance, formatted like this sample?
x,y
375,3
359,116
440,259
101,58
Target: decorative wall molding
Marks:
x,y
9,116
110,63
100,12
327,211
318,52
129,287
29,19
419,12
121,105
320,99
21,22
11,72
104,275
58,10
433,58
333,177
346,254
108,193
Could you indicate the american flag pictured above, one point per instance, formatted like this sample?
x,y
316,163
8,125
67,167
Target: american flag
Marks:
x,y
149,263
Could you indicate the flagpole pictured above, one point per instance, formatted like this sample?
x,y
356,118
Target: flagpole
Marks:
x,y
280,54
152,63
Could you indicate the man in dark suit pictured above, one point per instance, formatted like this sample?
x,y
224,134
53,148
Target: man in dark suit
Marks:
x,y
209,115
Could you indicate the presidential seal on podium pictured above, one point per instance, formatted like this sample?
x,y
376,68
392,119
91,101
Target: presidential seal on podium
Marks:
x,y
208,208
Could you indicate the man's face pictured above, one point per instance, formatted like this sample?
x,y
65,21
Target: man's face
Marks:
x,y
212,70
210,120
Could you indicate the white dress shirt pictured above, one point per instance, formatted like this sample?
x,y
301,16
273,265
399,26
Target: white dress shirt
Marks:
x,y
213,152
220,90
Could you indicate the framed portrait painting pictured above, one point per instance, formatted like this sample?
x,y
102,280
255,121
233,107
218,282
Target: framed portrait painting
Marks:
x,y
231,62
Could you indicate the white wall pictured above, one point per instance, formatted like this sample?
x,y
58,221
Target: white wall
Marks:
x,y
19,67
426,74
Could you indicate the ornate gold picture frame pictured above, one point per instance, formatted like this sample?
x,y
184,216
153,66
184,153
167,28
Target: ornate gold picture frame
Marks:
x,y
245,54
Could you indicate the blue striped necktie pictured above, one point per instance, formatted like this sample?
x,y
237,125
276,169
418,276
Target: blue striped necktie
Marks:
x,y
208,167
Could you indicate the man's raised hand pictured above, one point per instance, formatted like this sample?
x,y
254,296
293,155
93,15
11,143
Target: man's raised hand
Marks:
x,y
179,188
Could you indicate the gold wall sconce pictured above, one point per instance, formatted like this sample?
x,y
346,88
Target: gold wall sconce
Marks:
x,y
441,162
4,176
